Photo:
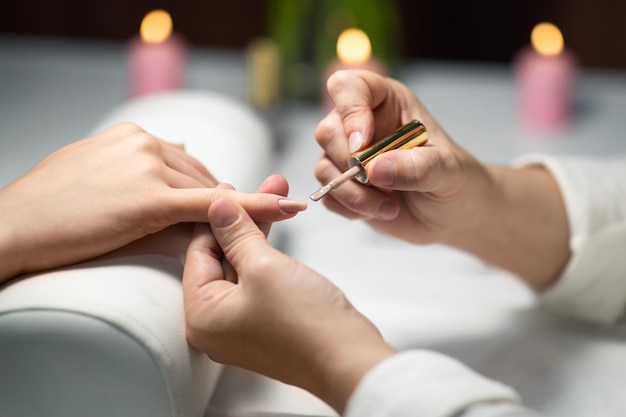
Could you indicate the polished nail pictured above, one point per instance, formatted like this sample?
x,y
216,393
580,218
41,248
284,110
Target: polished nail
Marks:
x,y
292,206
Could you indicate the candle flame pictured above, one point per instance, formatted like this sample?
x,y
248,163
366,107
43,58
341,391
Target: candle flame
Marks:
x,y
547,39
353,46
156,26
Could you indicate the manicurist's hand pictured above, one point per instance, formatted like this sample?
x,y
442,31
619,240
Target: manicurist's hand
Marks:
x,y
275,316
417,194
103,192
438,192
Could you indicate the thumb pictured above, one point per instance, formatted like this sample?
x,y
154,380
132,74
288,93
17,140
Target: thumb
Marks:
x,y
236,233
422,169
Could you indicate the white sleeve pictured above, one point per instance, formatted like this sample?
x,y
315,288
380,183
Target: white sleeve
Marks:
x,y
593,284
429,384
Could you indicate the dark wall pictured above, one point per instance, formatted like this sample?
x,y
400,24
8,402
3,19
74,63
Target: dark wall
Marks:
x,y
490,30
231,23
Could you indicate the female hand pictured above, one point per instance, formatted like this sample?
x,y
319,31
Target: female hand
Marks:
x,y
103,192
275,316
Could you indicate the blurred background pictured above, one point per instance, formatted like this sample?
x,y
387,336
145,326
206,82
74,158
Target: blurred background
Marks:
x,y
488,30
304,32
65,64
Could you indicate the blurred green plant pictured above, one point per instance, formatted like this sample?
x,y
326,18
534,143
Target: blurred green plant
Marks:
x,y
306,33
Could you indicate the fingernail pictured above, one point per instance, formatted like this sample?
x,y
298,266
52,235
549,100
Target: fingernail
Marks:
x,y
225,214
382,172
387,210
292,206
355,141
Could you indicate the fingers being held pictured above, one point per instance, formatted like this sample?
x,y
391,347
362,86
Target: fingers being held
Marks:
x,y
274,184
191,204
137,141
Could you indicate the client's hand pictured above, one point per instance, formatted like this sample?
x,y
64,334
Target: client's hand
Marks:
x,y
279,318
103,192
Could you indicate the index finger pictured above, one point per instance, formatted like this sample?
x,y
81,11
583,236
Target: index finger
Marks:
x,y
354,99
192,204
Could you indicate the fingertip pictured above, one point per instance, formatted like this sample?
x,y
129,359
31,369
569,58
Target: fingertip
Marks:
x,y
225,186
274,184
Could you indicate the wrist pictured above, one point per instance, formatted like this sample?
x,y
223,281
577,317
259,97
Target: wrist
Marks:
x,y
10,251
520,225
343,367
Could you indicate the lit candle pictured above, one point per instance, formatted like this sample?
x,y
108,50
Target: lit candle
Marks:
x,y
156,58
546,76
354,51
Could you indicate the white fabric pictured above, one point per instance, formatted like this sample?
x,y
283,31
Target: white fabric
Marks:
x,y
136,301
593,285
592,288
422,383
140,297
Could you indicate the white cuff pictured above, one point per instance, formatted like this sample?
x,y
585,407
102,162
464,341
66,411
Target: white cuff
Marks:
x,y
593,284
423,383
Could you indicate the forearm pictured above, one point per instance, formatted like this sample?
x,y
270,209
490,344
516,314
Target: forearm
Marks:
x,y
521,225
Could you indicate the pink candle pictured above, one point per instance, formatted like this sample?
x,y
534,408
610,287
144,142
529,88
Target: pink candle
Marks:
x,y
354,51
546,76
156,58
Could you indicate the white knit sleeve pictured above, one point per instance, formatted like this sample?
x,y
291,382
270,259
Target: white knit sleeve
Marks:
x,y
426,384
593,284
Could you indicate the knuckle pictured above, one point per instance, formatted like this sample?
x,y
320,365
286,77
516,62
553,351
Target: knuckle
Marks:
x,y
337,80
350,110
325,131
144,142
129,127
357,201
